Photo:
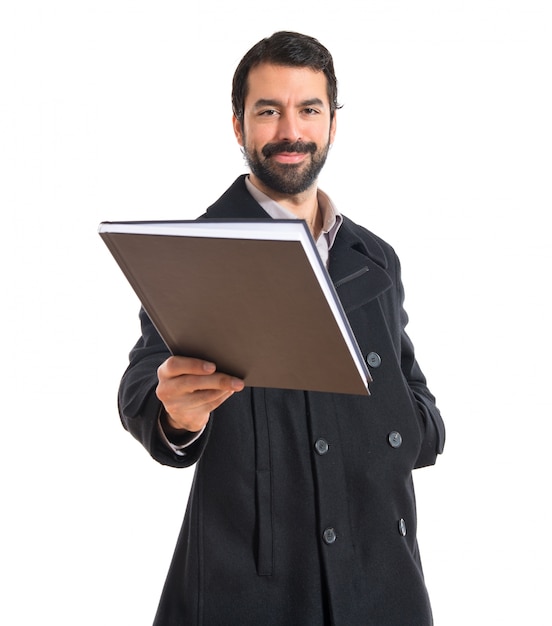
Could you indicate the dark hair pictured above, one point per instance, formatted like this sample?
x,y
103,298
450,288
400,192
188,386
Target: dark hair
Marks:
x,y
290,50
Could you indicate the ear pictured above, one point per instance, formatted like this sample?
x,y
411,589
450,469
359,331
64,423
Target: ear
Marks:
x,y
238,130
333,127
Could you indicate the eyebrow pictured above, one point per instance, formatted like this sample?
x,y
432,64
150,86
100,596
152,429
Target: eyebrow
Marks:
x,y
263,102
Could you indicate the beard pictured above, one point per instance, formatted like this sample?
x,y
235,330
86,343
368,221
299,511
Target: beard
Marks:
x,y
287,178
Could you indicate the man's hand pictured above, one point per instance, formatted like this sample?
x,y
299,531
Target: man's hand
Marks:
x,y
190,389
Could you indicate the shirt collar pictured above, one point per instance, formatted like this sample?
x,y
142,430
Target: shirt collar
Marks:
x,y
331,217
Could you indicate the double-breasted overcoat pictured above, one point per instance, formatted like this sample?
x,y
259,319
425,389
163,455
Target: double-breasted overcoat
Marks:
x,y
302,508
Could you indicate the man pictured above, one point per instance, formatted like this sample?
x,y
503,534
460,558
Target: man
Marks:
x,y
302,508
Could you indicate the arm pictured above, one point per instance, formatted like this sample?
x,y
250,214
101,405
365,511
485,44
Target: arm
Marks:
x,y
177,393
433,428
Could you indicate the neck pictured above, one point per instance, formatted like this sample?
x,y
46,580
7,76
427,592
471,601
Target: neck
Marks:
x,y
315,222
303,205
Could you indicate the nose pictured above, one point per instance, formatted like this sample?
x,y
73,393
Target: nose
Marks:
x,y
289,128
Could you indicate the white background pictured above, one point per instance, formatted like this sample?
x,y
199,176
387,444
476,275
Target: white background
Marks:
x,y
114,109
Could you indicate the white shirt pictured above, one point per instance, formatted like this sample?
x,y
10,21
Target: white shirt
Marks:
x,y
331,217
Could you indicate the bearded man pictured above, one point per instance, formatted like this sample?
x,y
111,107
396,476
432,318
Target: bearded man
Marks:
x,y
302,508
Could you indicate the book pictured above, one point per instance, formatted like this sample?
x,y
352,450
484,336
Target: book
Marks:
x,y
252,296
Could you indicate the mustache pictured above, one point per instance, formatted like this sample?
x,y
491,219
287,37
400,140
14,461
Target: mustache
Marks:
x,y
288,146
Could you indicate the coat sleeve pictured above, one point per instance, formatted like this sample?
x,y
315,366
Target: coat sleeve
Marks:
x,y
139,407
433,428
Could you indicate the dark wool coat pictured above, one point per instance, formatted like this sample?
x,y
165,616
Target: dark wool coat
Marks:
x,y
302,508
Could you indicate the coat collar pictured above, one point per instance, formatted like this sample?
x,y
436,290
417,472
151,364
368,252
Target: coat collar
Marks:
x,y
236,203
357,261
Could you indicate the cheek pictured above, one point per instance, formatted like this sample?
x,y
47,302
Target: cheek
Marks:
x,y
256,136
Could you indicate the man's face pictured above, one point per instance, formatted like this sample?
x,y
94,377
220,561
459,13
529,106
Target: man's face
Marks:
x,y
286,130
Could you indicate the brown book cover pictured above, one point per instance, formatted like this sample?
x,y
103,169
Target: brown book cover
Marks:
x,y
251,296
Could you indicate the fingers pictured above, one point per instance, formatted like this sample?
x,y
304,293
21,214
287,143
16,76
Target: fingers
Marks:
x,y
190,389
190,375
179,365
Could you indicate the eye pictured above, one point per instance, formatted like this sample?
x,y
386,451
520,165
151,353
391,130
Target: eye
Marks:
x,y
268,113
310,111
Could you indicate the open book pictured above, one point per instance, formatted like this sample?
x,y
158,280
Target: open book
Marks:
x,y
252,296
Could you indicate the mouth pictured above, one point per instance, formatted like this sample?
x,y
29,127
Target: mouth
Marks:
x,y
289,157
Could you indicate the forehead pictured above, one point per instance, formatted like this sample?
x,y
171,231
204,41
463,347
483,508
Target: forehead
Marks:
x,y
285,84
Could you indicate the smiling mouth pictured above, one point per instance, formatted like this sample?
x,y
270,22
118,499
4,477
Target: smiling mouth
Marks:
x,y
289,157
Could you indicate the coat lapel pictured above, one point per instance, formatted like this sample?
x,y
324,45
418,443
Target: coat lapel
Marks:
x,y
357,269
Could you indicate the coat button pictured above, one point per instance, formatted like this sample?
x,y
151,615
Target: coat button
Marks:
x,y
329,536
321,446
402,527
395,439
373,359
